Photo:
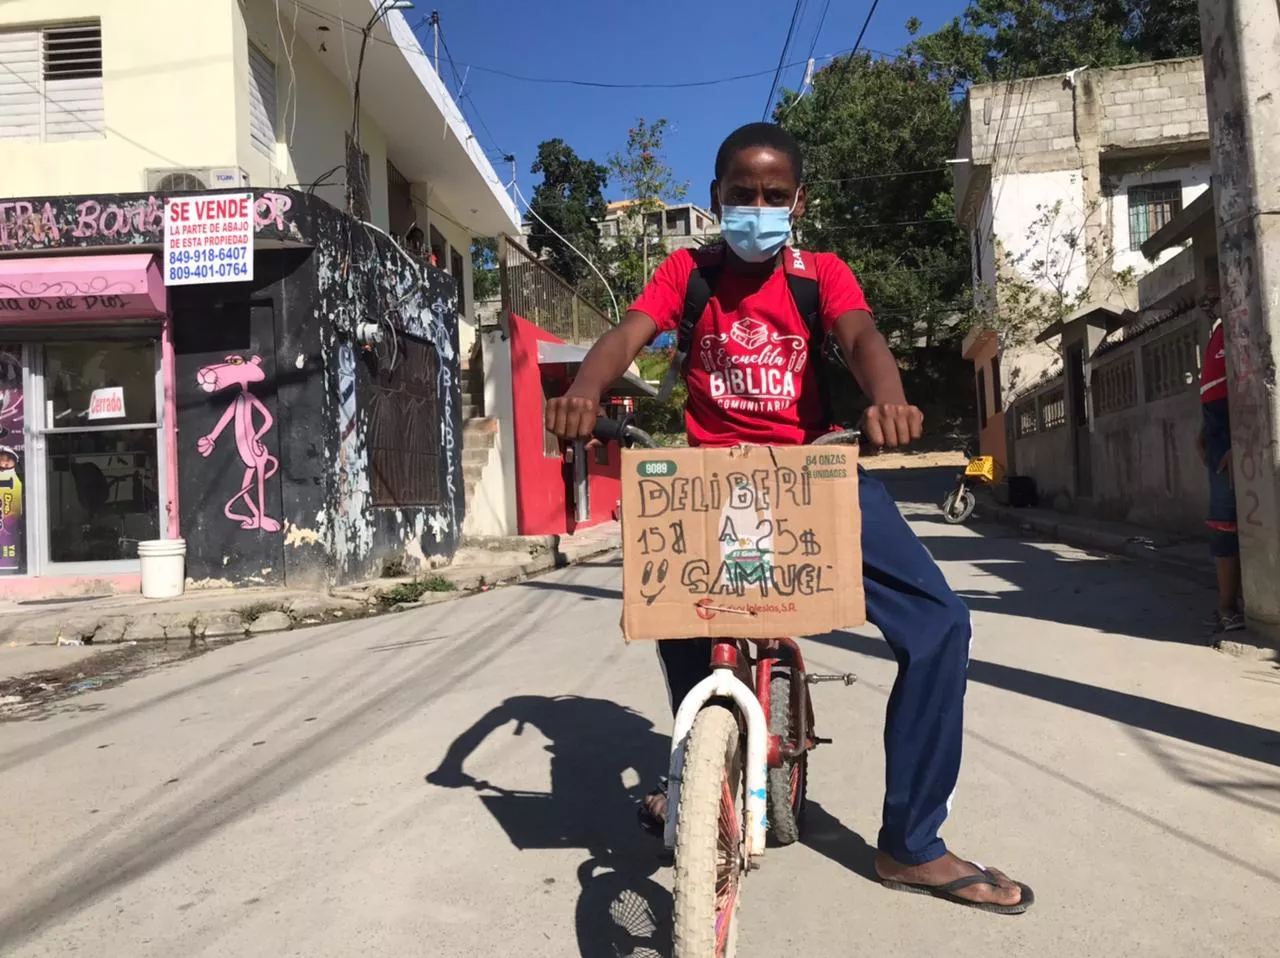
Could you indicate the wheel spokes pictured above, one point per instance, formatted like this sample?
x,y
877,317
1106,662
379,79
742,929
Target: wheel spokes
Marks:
x,y
728,865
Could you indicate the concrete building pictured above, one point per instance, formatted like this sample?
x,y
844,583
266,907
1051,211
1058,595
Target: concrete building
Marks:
x,y
124,96
329,343
1059,182
681,226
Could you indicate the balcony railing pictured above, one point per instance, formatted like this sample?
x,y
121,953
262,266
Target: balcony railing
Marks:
x,y
536,294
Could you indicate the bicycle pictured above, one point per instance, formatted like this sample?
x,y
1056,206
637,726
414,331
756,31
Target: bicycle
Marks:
x,y
739,766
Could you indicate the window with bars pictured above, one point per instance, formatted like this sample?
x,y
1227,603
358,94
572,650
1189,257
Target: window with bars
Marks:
x,y
263,129
1171,364
1026,421
405,429
1115,386
51,83
1150,208
1053,409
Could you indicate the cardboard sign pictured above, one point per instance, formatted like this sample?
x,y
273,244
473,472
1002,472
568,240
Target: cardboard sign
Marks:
x,y
106,403
754,542
208,239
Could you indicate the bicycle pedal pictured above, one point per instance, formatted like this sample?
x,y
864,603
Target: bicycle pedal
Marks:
x,y
848,678
819,740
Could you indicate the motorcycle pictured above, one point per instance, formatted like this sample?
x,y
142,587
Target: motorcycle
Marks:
x,y
959,504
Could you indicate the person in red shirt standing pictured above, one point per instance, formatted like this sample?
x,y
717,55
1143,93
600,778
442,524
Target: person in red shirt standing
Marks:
x,y
752,378
1214,444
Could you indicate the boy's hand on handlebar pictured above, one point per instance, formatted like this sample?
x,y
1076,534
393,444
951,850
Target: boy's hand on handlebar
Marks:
x,y
572,417
891,425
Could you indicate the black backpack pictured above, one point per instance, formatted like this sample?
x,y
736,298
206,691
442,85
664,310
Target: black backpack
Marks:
x,y
804,292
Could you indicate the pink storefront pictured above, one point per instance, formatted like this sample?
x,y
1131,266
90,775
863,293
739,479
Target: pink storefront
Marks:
x,y
88,461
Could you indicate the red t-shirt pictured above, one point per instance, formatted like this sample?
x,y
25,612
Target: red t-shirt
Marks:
x,y
750,378
1213,373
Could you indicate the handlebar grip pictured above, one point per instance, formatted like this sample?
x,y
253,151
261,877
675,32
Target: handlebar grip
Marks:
x,y
611,430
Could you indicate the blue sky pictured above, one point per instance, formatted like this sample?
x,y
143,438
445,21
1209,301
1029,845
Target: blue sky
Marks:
x,y
626,42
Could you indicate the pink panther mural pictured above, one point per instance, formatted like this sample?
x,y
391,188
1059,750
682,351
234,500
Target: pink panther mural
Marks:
x,y
259,464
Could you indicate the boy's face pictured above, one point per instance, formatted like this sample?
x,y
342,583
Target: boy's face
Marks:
x,y
7,462
759,176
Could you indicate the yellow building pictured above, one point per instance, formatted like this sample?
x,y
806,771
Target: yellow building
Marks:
x,y
123,96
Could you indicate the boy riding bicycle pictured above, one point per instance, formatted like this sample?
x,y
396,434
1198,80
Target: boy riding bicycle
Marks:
x,y
752,314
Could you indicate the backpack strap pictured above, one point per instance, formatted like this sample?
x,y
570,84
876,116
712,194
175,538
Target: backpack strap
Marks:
x,y
698,293
802,280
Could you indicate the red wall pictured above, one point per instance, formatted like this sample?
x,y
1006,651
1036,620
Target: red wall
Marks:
x,y
543,506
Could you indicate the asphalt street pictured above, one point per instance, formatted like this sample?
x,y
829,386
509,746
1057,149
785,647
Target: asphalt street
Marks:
x,y
460,781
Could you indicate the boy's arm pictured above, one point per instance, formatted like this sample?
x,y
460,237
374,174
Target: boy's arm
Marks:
x,y
890,421
573,415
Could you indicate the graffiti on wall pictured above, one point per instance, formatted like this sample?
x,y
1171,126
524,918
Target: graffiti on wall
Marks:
x,y
363,278
76,221
259,465
12,544
347,439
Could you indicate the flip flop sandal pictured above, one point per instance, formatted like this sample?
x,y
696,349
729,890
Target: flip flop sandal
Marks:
x,y
948,891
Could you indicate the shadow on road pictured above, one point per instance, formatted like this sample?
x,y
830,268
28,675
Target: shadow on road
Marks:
x,y
832,838
1104,593
1198,728
621,910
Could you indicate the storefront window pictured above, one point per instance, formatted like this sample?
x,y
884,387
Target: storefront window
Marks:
x,y
101,460
103,494
99,384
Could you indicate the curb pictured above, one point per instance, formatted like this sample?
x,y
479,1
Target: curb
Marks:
x,y
251,616
1114,543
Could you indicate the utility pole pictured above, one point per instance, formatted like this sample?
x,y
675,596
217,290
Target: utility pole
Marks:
x,y
435,32
515,192
1241,40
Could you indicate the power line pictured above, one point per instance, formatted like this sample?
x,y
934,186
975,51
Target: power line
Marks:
x,y
782,57
878,176
568,81
857,44
822,19
444,44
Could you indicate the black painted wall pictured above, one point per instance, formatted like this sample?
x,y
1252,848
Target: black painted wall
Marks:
x,y
293,506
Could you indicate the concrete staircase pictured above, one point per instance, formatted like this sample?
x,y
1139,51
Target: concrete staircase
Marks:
x,y
479,434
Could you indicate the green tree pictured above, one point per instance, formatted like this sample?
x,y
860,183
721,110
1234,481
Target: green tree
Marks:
x,y
876,135
484,268
571,199
1002,39
648,183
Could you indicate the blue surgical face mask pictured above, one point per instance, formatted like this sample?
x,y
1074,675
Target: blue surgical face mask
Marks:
x,y
756,234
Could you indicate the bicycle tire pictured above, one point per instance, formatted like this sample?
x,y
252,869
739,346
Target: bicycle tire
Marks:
x,y
789,781
705,906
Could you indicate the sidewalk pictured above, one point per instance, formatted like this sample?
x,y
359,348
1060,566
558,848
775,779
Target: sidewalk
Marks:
x,y
58,634
1180,555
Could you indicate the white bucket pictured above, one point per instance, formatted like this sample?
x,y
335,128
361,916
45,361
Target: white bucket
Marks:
x,y
164,567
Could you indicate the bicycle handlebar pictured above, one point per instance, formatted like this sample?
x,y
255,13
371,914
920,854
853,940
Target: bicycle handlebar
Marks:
x,y
625,432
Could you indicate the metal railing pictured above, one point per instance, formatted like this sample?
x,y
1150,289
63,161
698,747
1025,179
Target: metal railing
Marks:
x,y
536,294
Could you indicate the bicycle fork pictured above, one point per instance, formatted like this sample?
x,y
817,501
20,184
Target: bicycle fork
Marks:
x,y
723,684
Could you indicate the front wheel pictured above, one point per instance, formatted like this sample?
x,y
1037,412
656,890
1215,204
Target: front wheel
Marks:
x,y
710,838
958,506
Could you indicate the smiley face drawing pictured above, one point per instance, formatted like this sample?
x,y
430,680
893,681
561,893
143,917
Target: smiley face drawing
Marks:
x,y
654,578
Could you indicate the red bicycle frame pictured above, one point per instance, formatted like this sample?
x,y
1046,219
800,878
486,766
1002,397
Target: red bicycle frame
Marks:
x,y
731,653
